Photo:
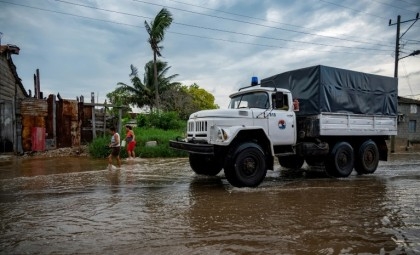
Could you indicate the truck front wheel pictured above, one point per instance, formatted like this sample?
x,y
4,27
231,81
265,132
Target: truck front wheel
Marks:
x,y
246,167
340,161
367,158
205,165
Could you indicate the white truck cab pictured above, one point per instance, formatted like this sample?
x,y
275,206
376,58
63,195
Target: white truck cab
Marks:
x,y
254,108
257,121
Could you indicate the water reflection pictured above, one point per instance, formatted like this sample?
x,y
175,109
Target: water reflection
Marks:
x,y
299,217
158,206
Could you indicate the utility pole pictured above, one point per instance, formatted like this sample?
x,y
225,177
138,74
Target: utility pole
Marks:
x,y
398,38
397,45
397,55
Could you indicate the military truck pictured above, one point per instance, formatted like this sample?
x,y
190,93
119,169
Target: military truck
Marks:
x,y
335,118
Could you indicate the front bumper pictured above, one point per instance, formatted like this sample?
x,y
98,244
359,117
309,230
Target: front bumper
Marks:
x,y
192,147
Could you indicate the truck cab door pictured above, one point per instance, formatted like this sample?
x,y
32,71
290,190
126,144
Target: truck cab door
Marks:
x,y
282,122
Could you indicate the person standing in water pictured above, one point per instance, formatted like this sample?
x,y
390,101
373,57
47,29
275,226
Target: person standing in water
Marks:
x,y
115,145
131,142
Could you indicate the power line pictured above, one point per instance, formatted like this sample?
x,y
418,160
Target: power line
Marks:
x,y
260,19
410,40
226,31
413,4
69,14
393,6
237,14
346,7
263,45
281,39
256,24
120,23
359,11
408,78
398,39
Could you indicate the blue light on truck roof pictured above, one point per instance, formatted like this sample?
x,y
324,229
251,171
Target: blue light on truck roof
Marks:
x,y
254,81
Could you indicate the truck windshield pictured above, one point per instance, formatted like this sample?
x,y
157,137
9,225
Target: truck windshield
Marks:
x,y
251,100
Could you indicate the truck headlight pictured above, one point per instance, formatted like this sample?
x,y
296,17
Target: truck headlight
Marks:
x,y
222,134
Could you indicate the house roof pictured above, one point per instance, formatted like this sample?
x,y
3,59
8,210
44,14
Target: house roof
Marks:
x,y
13,49
405,100
8,50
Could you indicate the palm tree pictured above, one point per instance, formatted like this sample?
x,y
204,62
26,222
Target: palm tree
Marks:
x,y
137,93
156,31
141,93
164,82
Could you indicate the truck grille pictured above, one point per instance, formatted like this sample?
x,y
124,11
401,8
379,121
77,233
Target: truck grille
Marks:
x,y
198,126
197,129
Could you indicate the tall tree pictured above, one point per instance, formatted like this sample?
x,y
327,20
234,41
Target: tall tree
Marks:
x,y
201,98
156,31
120,98
141,93
178,100
185,100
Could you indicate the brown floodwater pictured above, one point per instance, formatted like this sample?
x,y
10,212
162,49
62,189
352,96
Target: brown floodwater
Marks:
x,y
159,206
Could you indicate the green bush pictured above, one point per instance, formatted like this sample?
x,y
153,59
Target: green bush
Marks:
x,y
142,120
161,137
98,148
164,120
159,127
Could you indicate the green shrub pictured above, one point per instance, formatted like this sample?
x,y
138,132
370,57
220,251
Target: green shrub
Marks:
x,y
142,120
164,120
161,137
98,148
159,127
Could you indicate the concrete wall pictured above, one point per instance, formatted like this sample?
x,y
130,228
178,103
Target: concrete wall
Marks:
x,y
408,138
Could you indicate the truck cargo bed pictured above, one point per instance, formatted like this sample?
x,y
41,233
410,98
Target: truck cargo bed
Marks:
x,y
345,124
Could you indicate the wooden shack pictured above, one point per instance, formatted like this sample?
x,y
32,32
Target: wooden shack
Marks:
x,y
12,93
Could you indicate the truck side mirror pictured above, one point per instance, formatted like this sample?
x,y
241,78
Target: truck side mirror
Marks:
x,y
295,105
279,103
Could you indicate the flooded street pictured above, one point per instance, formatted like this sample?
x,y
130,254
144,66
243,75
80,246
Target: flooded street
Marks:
x,y
159,206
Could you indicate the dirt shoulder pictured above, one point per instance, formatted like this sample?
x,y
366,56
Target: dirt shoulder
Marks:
x,y
79,151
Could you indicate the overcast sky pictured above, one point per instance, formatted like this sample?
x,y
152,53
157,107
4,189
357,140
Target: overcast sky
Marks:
x,y
88,46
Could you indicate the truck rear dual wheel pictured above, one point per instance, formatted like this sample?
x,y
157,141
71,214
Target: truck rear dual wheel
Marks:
x,y
367,158
245,166
340,161
205,165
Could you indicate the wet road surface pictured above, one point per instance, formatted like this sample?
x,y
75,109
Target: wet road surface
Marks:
x,y
159,206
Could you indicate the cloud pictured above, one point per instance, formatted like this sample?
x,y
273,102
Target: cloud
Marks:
x,y
79,55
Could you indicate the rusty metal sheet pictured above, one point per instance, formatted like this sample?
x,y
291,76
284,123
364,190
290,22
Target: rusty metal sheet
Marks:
x,y
70,108
29,122
68,131
33,111
51,121
38,139
86,122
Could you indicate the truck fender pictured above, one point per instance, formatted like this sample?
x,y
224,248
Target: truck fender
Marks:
x,y
235,150
246,145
